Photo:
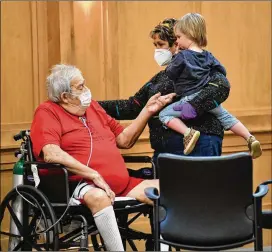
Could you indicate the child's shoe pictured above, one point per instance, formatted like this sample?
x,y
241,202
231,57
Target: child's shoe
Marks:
x,y
254,147
190,141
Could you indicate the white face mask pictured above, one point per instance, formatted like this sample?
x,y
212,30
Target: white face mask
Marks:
x,y
85,98
162,56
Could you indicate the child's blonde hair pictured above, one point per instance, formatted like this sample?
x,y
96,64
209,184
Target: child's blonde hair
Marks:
x,y
193,25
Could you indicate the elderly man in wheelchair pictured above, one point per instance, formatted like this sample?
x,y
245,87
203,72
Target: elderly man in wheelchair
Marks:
x,y
73,131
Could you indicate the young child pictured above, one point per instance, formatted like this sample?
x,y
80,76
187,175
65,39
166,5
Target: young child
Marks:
x,y
190,70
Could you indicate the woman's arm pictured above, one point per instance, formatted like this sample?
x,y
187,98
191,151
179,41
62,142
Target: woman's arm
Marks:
x,y
127,109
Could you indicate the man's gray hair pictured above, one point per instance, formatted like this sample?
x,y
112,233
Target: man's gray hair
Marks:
x,y
59,80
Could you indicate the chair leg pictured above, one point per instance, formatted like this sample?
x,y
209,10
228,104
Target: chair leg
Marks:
x,y
156,224
150,242
132,245
258,244
122,222
96,246
102,242
84,233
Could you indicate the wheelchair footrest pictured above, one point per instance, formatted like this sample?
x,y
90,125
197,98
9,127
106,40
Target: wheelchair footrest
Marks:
x,y
131,234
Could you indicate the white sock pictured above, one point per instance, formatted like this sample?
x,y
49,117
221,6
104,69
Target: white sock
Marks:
x,y
186,133
105,221
164,247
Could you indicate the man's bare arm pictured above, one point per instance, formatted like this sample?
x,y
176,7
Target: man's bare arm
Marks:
x,y
54,154
131,133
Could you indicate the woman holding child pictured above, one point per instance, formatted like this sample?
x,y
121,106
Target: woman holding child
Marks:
x,y
179,45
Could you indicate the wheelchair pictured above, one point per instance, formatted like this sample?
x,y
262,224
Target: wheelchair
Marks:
x,y
42,218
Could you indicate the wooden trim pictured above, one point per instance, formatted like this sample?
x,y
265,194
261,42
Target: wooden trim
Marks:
x,y
110,71
66,31
42,49
35,53
53,33
8,130
231,144
257,123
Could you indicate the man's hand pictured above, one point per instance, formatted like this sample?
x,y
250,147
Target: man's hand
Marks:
x,y
157,102
101,183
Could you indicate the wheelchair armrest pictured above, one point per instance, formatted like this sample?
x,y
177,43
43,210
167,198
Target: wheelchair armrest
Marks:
x,y
267,182
43,165
261,191
137,159
54,181
266,215
152,193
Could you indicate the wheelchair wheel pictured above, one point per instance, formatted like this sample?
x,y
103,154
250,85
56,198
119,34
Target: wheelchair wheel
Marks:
x,y
30,215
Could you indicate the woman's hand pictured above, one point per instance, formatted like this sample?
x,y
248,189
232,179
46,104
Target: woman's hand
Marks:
x,y
157,102
101,183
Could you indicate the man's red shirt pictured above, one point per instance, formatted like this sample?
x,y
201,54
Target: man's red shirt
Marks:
x,y
54,125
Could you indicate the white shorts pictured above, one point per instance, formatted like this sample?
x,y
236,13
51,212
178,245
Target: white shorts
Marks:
x,y
79,193
83,188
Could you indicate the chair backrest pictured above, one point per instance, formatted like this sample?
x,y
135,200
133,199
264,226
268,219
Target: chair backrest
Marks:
x,y
208,200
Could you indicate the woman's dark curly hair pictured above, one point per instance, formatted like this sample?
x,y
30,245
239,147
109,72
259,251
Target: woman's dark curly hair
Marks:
x,y
165,30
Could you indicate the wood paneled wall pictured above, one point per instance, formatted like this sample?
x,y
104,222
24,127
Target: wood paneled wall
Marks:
x,y
109,42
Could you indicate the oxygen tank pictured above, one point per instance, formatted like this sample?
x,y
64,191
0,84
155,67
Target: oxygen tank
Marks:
x,y
17,204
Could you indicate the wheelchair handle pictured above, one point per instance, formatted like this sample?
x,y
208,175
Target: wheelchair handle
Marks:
x,y
21,135
17,153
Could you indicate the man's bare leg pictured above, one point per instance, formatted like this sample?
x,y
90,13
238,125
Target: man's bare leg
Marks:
x,y
100,205
138,191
